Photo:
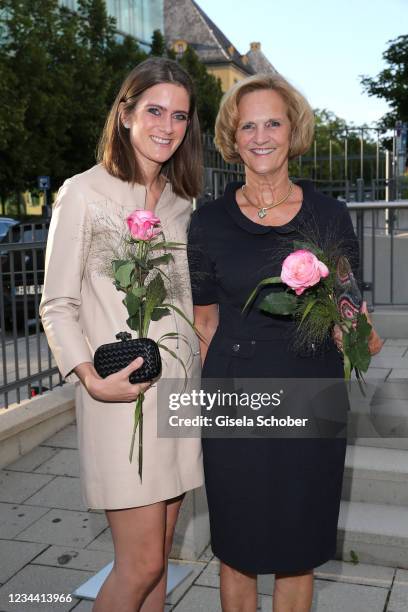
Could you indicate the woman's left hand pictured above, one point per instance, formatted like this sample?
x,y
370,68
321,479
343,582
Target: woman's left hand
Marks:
x,y
374,341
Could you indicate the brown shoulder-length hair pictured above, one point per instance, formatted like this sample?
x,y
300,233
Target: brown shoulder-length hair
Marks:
x,y
300,114
185,168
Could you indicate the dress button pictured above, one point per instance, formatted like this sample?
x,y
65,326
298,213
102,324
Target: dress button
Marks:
x,y
235,347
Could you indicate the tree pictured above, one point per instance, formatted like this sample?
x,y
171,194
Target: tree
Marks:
x,y
158,46
208,88
391,84
59,73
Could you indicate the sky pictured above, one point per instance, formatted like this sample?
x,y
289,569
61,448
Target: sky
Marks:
x,y
321,46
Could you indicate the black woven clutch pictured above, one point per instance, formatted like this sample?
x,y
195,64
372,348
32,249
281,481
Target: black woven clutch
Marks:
x,y
110,358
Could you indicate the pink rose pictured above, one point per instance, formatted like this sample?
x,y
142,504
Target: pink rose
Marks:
x,y
302,269
141,224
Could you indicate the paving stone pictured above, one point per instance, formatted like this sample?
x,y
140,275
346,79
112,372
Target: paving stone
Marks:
x,y
65,528
200,599
210,577
360,573
33,459
84,605
66,438
338,597
61,492
394,389
16,487
102,542
388,361
14,518
80,559
37,579
64,462
207,555
379,374
177,593
15,555
392,350
398,374
266,584
401,577
396,342
399,593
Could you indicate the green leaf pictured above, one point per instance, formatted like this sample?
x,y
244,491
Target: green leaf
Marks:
x,y
158,313
123,274
272,280
354,557
132,304
281,303
138,291
363,327
307,310
163,259
155,294
167,245
356,348
117,263
133,322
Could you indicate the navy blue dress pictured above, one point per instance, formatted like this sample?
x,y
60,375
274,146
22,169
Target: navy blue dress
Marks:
x,y
273,503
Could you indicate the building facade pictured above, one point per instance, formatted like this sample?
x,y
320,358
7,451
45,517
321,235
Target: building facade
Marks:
x,y
185,23
138,18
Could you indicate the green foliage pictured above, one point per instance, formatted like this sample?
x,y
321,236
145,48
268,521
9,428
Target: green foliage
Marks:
x,y
281,303
208,88
356,344
391,84
158,45
123,274
354,557
155,295
59,72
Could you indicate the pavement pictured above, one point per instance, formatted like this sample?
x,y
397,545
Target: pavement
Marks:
x,y
50,544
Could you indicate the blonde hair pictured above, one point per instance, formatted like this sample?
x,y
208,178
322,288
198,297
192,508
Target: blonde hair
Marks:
x,y
300,115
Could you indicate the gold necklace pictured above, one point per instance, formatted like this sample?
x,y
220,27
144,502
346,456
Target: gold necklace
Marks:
x,y
263,210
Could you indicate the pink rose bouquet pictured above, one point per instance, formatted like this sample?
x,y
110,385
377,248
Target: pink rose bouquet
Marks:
x,y
321,293
139,274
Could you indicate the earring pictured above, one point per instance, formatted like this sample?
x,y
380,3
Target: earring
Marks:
x,y
126,126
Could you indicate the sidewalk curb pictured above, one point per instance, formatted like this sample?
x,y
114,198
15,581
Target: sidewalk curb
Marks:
x,y
26,425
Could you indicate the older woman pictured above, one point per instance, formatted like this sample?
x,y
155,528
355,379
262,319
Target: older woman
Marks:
x,y
149,159
274,503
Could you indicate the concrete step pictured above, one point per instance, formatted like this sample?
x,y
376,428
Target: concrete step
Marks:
x,y
380,418
375,533
391,322
376,475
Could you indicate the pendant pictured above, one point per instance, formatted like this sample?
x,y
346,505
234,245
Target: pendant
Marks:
x,y
262,213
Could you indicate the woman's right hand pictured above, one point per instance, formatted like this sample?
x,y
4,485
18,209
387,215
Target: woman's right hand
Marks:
x,y
115,387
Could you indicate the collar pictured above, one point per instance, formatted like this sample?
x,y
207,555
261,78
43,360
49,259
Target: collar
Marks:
x,y
252,227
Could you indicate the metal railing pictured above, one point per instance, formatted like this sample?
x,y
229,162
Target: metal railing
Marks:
x,y
27,366
382,231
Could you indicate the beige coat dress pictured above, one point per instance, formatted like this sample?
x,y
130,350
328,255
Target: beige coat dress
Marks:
x,y
81,309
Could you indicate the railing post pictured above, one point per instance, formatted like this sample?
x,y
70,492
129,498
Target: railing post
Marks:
x,y
360,190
